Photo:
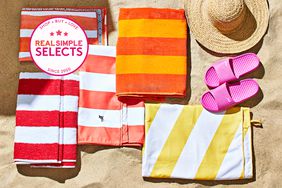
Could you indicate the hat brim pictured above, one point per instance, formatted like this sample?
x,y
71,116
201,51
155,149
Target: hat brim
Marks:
x,y
245,37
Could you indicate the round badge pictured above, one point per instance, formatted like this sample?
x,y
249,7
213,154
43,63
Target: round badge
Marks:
x,y
58,46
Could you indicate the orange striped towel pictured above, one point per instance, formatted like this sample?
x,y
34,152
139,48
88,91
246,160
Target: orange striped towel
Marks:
x,y
151,52
92,20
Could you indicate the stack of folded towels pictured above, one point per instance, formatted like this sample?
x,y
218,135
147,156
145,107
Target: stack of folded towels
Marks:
x,y
46,120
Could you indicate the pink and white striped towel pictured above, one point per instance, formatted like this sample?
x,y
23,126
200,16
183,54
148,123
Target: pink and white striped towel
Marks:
x,y
46,120
104,119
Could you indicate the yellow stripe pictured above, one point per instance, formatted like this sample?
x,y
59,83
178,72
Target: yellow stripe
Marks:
x,y
166,28
176,142
151,64
219,145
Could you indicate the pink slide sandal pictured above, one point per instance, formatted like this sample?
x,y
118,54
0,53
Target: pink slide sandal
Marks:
x,y
228,95
231,69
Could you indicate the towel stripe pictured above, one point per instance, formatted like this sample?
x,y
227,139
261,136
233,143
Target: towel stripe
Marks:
x,y
31,22
41,151
188,160
44,135
98,82
167,119
143,28
41,76
175,143
148,13
110,136
147,64
107,68
234,154
221,141
39,118
59,13
47,103
152,46
147,84
47,87
107,100
111,118
105,51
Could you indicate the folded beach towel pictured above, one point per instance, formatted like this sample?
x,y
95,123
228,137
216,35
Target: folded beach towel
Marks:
x,y
92,20
102,118
46,120
151,52
191,143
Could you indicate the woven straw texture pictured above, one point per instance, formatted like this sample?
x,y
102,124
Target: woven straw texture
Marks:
x,y
228,26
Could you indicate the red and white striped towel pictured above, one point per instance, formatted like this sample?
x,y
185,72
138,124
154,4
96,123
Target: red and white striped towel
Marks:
x,y
92,20
46,120
102,118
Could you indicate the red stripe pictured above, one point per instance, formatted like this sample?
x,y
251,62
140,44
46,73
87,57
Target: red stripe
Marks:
x,y
24,44
94,40
46,118
31,22
133,135
70,87
110,136
151,13
99,100
48,87
68,119
99,64
25,59
106,100
36,151
69,152
151,46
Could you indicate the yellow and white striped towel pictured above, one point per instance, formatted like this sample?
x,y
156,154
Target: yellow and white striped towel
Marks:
x,y
184,141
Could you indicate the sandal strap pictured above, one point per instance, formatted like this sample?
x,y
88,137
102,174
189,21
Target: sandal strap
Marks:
x,y
224,71
222,97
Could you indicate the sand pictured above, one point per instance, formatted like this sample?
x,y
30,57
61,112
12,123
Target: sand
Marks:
x,y
121,167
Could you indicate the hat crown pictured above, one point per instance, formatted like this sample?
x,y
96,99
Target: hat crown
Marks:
x,y
226,15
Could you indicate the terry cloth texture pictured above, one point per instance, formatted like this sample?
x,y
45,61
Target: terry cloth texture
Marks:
x,y
151,52
92,20
103,119
189,142
46,120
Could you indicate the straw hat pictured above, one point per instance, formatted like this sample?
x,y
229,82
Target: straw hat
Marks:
x,y
228,26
